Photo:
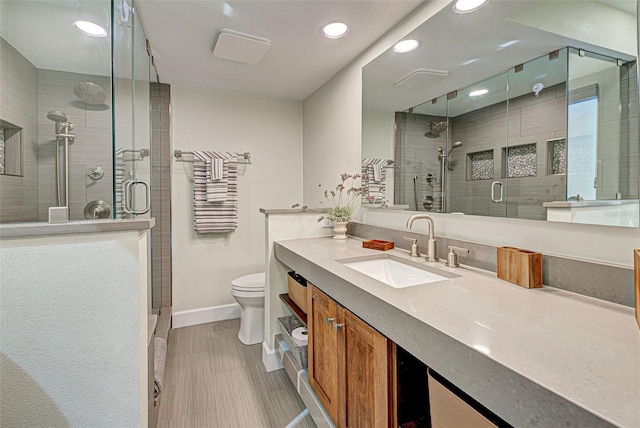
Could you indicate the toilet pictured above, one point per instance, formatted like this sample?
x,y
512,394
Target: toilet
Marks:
x,y
249,292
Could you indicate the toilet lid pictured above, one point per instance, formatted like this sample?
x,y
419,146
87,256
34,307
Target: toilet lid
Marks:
x,y
257,289
253,282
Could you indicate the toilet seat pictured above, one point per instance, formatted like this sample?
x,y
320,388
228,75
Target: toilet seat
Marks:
x,y
249,283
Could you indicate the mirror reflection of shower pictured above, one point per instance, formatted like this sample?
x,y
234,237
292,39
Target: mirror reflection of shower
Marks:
x,y
444,165
63,135
435,129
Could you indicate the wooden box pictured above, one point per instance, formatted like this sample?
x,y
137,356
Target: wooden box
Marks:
x,y
636,280
377,244
522,267
298,290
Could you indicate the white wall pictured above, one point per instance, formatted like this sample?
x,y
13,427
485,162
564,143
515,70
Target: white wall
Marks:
x,y
73,341
271,129
332,144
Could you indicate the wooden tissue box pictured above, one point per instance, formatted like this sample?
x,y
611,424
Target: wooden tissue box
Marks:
x,y
377,244
522,267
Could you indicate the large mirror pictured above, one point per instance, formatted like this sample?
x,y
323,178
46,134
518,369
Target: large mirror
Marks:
x,y
523,109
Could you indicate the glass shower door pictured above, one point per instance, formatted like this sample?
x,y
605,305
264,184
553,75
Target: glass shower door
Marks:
x,y
534,156
132,165
477,140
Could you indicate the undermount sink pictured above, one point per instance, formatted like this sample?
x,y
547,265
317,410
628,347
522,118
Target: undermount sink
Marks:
x,y
395,271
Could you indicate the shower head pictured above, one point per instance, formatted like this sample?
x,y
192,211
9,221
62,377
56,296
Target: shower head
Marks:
x,y
455,146
435,129
90,93
56,116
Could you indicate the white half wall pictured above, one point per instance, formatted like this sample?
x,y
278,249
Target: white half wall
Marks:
x,y
73,335
271,130
281,227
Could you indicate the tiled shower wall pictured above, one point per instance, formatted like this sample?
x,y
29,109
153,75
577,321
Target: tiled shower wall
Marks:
x,y
19,106
92,146
417,155
161,195
531,119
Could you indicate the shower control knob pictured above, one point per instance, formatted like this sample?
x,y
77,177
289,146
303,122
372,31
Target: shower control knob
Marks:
x,y
95,173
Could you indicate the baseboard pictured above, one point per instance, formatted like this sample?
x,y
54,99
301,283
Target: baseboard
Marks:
x,y
271,358
205,315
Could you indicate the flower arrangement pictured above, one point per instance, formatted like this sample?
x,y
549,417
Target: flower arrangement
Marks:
x,y
342,199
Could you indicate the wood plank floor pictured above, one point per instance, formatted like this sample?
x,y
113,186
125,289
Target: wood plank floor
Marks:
x,y
213,380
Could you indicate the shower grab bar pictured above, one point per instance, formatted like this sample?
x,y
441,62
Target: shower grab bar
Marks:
x,y
493,195
127,197
142,153
179,153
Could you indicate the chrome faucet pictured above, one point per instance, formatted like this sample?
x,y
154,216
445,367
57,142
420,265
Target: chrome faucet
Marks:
x,y
432,252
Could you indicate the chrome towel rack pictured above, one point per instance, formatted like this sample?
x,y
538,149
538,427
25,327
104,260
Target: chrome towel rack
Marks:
x,y
243,158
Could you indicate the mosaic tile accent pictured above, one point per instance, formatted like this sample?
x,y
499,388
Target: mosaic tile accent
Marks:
x,y
522,161
558,149
481,165
1,150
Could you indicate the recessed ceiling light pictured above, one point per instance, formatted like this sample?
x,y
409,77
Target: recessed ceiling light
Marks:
x,y
335,30
90,29
468,6
478,92
405,46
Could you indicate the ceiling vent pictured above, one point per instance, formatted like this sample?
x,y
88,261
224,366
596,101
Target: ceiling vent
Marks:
x,y
421,78
240,47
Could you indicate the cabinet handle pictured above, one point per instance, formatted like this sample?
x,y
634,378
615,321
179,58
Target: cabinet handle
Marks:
x,y
336,326
328,320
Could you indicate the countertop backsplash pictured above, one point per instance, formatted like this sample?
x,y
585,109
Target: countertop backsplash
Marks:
x,y
606,282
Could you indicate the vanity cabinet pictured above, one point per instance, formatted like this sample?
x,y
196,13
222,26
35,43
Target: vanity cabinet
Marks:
x,y
349,364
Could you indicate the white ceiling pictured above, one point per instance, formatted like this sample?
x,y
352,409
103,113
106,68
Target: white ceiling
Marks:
x,y
299,61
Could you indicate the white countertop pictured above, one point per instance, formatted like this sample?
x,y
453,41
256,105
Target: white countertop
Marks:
x,y
12,230
579,349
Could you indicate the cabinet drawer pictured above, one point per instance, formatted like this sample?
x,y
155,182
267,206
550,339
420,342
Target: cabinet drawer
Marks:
x,y
450,411
298,291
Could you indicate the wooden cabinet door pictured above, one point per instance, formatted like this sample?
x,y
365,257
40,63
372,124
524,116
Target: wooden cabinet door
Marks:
x,y
323,356
363,367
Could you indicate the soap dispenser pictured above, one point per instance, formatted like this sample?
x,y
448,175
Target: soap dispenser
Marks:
x,y
414,251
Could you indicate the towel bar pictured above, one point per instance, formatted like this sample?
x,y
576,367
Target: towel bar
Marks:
x,y
246,157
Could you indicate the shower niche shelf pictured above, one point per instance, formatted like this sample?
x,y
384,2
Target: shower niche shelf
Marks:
x,y
480,165
557,156
520,161
10,149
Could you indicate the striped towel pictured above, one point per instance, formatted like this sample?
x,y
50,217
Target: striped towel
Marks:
x,y
216,174
374,175
159,363
215,202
